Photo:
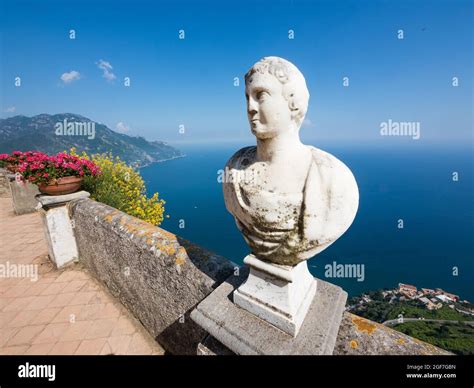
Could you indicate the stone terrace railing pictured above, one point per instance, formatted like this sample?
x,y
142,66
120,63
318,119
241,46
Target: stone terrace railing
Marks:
x,y
22,193
161,278
156,275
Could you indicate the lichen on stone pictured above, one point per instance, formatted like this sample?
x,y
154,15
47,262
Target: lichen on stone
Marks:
x,y
363,325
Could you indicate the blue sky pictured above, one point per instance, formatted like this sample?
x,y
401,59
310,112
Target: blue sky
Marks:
x,y
190,82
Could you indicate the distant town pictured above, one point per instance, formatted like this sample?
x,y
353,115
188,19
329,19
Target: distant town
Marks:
x,y
436,316
431,299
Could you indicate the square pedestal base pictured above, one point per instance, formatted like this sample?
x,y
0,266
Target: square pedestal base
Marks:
x,y
244,333
280,295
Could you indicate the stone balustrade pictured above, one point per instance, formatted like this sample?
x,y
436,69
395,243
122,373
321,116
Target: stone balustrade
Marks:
x,y
22,193
160,278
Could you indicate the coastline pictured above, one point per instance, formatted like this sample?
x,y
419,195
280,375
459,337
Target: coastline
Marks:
x,y
161,161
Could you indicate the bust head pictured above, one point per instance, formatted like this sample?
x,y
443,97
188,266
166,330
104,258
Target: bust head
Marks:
x,y
277,97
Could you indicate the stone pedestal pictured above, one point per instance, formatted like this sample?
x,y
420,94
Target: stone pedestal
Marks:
x,y
279,294
23,194
58,228
243,332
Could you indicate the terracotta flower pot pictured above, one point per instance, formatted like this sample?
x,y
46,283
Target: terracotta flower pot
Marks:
x,y
61,186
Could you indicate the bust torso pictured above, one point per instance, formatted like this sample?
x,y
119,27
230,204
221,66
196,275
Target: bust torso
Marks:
x,y
287,220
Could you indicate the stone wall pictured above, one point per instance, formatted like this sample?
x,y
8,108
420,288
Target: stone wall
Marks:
x,y
4,185
357,336
160,278
22,193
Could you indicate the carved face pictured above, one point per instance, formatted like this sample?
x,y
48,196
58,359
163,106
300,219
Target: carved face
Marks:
x,y
268,111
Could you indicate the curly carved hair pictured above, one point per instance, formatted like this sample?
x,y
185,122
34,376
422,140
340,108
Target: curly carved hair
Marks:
x,y
295,90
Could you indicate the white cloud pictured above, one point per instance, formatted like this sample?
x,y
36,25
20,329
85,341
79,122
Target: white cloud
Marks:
x,y
73,75
121,127
106,67
10,109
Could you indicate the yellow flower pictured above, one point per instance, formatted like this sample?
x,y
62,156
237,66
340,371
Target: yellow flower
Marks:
x,y
121,186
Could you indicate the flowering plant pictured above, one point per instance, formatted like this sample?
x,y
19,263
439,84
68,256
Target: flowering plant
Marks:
x,y
40,168
122,187
17,157
3,159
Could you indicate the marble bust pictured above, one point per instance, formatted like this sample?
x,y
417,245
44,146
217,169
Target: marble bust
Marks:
x,y
295,200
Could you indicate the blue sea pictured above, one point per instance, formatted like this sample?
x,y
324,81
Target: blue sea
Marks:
x,y
413,183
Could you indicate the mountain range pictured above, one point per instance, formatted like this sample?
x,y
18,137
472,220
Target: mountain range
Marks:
x,y
60,132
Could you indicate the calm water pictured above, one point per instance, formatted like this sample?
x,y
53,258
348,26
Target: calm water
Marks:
x,y
410,183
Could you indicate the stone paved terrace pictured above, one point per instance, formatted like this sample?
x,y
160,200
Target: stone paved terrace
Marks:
x,y
63,312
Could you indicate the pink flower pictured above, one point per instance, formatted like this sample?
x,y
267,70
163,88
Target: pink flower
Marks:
x,y
37,167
